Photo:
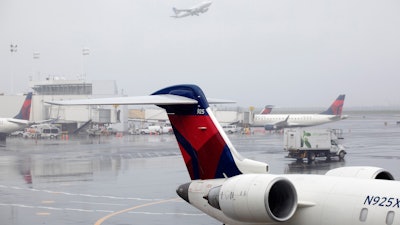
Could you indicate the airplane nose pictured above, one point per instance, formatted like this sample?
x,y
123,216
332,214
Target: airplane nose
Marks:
x,y
183,191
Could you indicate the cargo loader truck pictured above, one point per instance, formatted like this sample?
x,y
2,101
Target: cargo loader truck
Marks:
x,y
303,143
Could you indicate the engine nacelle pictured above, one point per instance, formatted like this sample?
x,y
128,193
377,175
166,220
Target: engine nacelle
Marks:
x,y
361,172
270,127
255,198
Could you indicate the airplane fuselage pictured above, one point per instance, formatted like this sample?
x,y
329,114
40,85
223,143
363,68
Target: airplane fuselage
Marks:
x,y
321,199
294,120
8,127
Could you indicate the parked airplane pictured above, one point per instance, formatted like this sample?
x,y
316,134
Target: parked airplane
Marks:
x,y
280,121
235,190
18,122
193,11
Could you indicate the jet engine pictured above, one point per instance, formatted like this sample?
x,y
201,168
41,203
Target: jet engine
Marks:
x,y
270,127
366,172
255,198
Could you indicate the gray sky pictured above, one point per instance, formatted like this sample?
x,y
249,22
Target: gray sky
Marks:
x,y
257,52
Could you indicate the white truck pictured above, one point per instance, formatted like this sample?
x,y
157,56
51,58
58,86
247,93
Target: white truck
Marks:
x,y
153,129
311,143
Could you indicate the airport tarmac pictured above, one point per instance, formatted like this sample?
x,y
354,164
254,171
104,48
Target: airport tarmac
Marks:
x,y
132,179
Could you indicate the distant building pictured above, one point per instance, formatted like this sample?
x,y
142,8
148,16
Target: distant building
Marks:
x,y
55,89
73,117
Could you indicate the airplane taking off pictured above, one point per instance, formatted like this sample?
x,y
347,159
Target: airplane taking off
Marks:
x,y
193,11
235,190
18,122
280,121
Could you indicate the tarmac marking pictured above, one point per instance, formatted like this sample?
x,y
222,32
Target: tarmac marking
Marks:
x,y
97,203
48,202
166,213
100,221
77,194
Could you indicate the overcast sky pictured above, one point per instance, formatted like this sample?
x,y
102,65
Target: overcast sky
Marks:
x,y
257,52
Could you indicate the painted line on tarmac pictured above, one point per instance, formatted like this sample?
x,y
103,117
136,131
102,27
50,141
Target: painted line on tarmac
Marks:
x,y
77,194
39,207
166,213
100,221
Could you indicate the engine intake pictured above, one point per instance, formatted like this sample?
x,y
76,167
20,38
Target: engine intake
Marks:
x,y
255,198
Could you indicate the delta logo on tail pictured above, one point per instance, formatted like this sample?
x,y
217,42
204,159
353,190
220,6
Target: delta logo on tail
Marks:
x,y
249,195
280,121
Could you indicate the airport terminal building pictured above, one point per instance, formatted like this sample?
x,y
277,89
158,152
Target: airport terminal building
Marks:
x,y
72,118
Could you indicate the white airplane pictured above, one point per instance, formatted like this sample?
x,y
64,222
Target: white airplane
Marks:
x,y
193,11
18,122
235,190
280,121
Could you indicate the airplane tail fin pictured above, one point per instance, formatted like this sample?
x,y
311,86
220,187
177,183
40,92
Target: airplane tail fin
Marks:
x,y
25,111
267,109
176,11
336,107
206,149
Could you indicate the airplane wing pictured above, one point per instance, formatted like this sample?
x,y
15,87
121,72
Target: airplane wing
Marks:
x,y
43,121
278,125
283,123
180,15
166,99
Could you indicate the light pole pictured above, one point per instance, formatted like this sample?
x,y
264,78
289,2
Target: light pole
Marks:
x,y
85,52
36,57
13,50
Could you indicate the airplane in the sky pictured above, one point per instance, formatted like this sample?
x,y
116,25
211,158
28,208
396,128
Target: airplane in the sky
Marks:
x,y
280,121
192,11
18,122
238,191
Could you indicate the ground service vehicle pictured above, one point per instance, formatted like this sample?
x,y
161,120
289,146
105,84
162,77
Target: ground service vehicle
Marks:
x,y
50,132
230,129
154,129
311,143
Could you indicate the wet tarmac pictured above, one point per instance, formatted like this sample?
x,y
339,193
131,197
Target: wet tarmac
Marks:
x,y
132,179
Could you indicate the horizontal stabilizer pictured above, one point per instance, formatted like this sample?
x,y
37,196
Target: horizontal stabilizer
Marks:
x,y
167,99
17,121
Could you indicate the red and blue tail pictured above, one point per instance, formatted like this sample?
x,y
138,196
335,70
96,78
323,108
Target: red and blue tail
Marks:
x,y
206,149
25,111
336,107
267,109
